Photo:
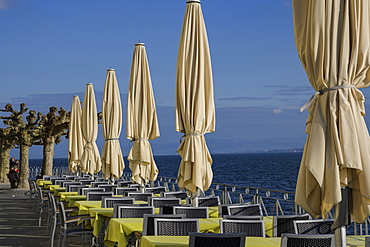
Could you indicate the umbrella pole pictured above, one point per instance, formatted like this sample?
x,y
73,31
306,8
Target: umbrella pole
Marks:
x,y
340,237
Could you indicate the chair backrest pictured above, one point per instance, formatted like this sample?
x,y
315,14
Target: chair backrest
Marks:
x,y
192,212
293,240
247,209
75,188
168,208
158,201
148,221
83,191
96,184
177,194
140,196
115,207
123,183
86,181
53,179
215,239
60,180
134,185
222,208
133,211
124,190
252,228
285,223
206,201
97,195
48,177
71,177
243,217
175,227
107,187
155,190
67,185
313,227
109,201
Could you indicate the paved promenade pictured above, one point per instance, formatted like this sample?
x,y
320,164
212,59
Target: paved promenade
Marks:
x,y
19,224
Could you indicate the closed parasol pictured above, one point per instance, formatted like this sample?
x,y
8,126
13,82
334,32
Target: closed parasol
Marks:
x,y
195,112
333,41
142,123
112,159
90,159
76,141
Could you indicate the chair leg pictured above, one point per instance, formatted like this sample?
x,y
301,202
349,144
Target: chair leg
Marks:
x,y
52,231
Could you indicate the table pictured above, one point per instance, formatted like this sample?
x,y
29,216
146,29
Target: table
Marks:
x,y
58,190
120,229
71,199
182,241
62,195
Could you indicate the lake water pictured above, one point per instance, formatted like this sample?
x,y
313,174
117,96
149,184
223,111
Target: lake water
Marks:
x,y
262,170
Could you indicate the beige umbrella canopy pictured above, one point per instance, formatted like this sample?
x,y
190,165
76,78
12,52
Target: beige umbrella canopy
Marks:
x,y
112,159
76,141
333,41
90,159
195,112
142,124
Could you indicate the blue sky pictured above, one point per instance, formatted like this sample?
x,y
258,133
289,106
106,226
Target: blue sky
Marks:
x,y
49,50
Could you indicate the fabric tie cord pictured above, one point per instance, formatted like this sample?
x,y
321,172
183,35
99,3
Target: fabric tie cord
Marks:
x,y
111,139
320,92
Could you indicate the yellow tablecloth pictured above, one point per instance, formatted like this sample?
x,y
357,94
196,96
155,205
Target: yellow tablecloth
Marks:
x,y
182,241
62,195
58,190
356,241
119,230
71,199
51,187
41,182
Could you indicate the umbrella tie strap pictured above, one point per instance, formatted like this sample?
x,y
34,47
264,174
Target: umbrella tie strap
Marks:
x,y
321,92
111,139
192,134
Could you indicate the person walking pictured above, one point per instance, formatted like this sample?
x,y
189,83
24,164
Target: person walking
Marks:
x,y
13,177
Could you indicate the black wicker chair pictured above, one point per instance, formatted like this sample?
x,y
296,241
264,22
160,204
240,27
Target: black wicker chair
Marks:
x,y
293,240
252,228
158,201
97,195
110,201
285,223
214,239
313,227
247,209
175,227
140,196
206,201
192,212
148,221
132,211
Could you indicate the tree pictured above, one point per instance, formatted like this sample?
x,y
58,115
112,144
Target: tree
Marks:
x,y
7,141
50,130
24,130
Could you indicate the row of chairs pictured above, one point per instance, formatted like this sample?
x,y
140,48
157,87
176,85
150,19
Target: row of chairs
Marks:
x,y
238,240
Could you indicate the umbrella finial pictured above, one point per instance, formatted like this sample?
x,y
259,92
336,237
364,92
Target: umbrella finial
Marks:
x,y
140,44
193,1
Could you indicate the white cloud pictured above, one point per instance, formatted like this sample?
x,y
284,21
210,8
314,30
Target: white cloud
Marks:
x,y
4,4
277,111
